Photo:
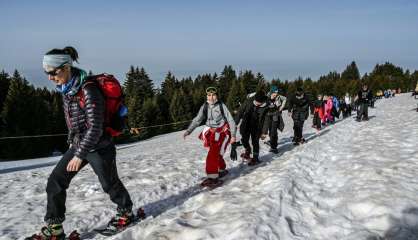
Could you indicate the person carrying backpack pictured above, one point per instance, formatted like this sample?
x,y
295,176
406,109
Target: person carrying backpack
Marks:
x,y
219,131
276,104
89,139
253,114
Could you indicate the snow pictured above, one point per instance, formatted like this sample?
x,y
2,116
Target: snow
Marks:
x,y
352,180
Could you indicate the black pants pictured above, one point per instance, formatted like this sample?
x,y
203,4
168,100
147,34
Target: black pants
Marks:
x,y
316,121
363,111
298,128
273,126
255,138
103,162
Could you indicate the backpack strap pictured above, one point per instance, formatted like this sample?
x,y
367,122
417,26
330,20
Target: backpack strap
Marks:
x,y
222,111
205,112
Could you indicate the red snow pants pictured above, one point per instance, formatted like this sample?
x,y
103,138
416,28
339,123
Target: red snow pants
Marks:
x,y
216,140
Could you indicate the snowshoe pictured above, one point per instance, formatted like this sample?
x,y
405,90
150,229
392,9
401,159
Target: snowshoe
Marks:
x,y
54,232
223,173
121,221
211,183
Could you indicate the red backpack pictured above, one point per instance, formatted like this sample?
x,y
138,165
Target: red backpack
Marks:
x,y
112,91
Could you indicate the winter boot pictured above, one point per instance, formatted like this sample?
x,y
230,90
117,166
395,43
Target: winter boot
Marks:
x,y
223,173
254,161
211,182
246,155
49,232
122,219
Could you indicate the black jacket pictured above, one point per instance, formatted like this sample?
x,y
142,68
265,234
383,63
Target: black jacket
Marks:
x,y
253,118
85,125
364,96
299,107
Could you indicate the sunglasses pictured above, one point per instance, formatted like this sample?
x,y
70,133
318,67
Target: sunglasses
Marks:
x,y
55,71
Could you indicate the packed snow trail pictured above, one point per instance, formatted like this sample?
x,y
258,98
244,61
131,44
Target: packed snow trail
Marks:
x,y
353,180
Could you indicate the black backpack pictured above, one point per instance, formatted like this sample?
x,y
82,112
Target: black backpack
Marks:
x,y
205,112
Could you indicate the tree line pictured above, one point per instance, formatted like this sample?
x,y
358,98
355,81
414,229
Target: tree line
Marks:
x,y
26,110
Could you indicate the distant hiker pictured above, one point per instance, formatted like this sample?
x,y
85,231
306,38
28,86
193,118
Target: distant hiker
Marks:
x,y
348,102
252,114
318,112
89,142
299,105
275,104
364,96
219,131
328,109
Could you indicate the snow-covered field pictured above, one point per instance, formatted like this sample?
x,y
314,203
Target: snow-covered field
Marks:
x,y
350,181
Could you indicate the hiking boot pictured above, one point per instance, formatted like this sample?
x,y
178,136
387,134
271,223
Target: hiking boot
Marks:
x,y
49,232
223,173
121,220
254,161
246,155
211,182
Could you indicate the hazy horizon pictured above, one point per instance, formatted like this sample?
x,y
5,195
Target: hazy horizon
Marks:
x,y
279,39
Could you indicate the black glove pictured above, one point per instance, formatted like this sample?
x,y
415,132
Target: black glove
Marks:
x,y
233,152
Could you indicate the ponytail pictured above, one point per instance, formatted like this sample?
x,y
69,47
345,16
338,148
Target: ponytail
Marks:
x,y
67,50
72,52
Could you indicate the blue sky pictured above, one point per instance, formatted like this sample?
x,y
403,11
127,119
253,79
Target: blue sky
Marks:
x,y
277,38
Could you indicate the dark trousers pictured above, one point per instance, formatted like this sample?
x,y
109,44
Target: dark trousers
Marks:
x,y
255,138
103,162
316,121
298,128
273,126
363,111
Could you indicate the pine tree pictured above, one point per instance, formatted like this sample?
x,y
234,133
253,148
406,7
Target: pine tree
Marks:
x,y
225,81
4,87
180,108
248,81
351,72
151,116
169,86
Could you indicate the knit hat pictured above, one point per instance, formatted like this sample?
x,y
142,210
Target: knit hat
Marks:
x,y
274,89
260,97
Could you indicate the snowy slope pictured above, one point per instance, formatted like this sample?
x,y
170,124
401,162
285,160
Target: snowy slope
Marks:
x,y
350,181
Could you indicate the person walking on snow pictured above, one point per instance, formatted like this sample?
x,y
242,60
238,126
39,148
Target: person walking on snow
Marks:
x,y
318,112
348,102
219,131
328,110
299,105
364,96
276,104
252,115
89,144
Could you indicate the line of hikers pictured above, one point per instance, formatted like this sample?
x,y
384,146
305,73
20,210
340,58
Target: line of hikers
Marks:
x,y
87,107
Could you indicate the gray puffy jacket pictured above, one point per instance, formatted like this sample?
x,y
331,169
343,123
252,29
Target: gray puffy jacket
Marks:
x,y
214,118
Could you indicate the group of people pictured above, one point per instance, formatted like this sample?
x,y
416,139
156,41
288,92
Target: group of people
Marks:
x,y
89,142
